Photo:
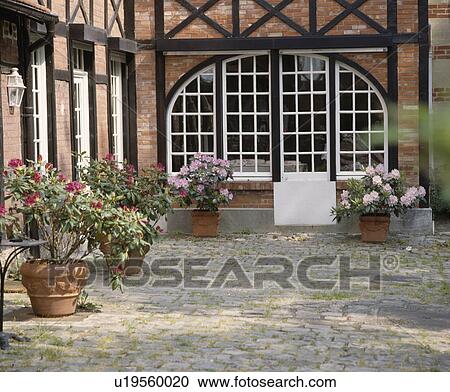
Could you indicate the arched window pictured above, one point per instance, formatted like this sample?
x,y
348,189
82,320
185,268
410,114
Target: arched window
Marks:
x,y
304,115
361,124
191,120
307,105
247,130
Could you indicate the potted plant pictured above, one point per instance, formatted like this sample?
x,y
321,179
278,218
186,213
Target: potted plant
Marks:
x,y
65,214
145,194
201,184
374,197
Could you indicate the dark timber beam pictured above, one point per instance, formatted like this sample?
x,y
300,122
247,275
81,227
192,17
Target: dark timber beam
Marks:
x,y
300,42
424,126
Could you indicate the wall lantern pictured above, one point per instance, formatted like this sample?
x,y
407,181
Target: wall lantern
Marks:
x,y
16,88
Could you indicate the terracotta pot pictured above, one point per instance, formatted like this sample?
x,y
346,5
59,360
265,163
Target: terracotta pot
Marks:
x,y
53,289
205,223
133,266
374,228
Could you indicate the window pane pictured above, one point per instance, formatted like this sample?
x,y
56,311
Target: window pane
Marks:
x,y
232,84
304,142
233,103
289,124
346,122
319,83
207,103
288,83
362,142
288,63
246,84
346,162
262,83
262,103
320,122
248,124
320,104
192,104
263,143
362,161
177,124
192,87
345,81
305,164
248,103
247,64
360,84
290,143
289,103
346,101
320,163
346,141
232,66
207,143
362,101
206,83
232,123
290,163
177,143
248,163
192,124
177,162
304,103
304,123
178,106
375,103
207,124
362,122
248,143
233,143
262,122
320,142
192,143
262,64
377,141
304,83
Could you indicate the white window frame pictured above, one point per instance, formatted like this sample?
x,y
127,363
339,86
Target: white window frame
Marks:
x,y
343,175
292,176
211,70
81,104
116,80
247,176
39,93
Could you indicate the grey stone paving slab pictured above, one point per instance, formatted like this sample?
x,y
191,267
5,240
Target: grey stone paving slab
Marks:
x,y
404,325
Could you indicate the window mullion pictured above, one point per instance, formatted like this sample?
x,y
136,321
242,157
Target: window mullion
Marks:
x,y
332,99
275,107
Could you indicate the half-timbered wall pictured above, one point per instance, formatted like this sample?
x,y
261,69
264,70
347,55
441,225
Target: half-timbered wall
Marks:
x,y
185,31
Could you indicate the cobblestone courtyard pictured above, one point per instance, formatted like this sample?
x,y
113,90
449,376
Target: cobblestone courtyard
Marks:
x,y
405,325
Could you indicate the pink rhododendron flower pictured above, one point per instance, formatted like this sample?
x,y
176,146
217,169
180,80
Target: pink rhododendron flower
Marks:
x,y
392,200
109,157
62,177
3,210
377,180
15,163
370,171
183,192
74,187
422,192
345,203
395,174
200,188
379,169
370,198
387,188
344,195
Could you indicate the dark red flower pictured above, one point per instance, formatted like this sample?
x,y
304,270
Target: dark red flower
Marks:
x,y
62,177
15,163
130,168
48,166
32,199
160,167
97,204
109,157
117,270
37,177
74,187
3,210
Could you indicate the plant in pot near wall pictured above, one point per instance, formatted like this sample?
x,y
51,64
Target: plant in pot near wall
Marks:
x,y
374,197
201,184
66,215
60,210
145,194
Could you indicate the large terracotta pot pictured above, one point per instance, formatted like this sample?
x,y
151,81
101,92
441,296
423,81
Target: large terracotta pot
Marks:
x,y
205,223
53,289
133,266
374,228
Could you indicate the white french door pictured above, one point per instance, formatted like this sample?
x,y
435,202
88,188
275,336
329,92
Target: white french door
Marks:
x,y
81,113
39,92
117,109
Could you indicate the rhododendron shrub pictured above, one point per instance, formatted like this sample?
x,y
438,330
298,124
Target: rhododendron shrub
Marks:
x,y
201,183
377,193
67,214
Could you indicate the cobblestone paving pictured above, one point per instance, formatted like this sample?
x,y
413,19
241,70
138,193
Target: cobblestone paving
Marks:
x,y
405,325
